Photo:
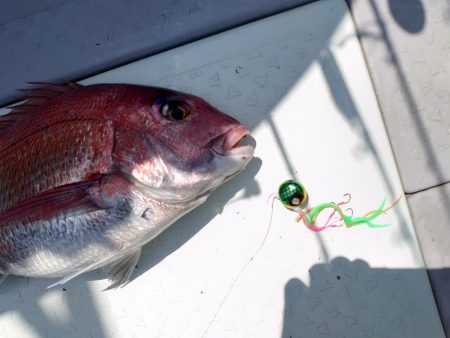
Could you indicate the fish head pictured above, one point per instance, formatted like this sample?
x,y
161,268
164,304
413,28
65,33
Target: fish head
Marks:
x,y
187,148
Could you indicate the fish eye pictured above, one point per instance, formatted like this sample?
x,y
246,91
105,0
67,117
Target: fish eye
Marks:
x,y
174,110
292,194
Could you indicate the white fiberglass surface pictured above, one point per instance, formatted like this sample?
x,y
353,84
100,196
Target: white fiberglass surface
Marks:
x,y
299,82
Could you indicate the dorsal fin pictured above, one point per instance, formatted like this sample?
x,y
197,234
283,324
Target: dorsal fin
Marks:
x,y
33,98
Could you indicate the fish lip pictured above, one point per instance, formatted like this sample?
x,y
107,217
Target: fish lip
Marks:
x,y
231,142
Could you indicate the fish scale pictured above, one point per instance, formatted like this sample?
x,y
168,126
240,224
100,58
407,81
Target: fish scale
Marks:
x,y
55,162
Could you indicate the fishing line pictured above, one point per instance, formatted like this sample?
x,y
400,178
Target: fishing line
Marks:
x,y
244,267
293,195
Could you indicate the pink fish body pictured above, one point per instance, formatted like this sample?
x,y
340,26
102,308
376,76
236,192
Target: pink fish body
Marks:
x,y
88,175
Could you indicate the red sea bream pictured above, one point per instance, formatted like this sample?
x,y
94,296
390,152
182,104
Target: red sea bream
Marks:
x,y
89,174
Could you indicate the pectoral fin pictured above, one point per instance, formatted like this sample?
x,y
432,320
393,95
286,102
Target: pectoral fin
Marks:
x,y
72,200
120,270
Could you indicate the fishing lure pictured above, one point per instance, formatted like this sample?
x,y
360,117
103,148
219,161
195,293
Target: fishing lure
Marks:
x,y
293,196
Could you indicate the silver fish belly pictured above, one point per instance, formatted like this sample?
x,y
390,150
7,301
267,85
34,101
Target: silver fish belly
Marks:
x,y
83,239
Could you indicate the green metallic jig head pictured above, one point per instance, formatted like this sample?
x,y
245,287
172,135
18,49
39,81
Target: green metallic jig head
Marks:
x,y
292,194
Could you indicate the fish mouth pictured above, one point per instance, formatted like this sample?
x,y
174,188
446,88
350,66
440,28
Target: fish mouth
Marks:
x,y
235,141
